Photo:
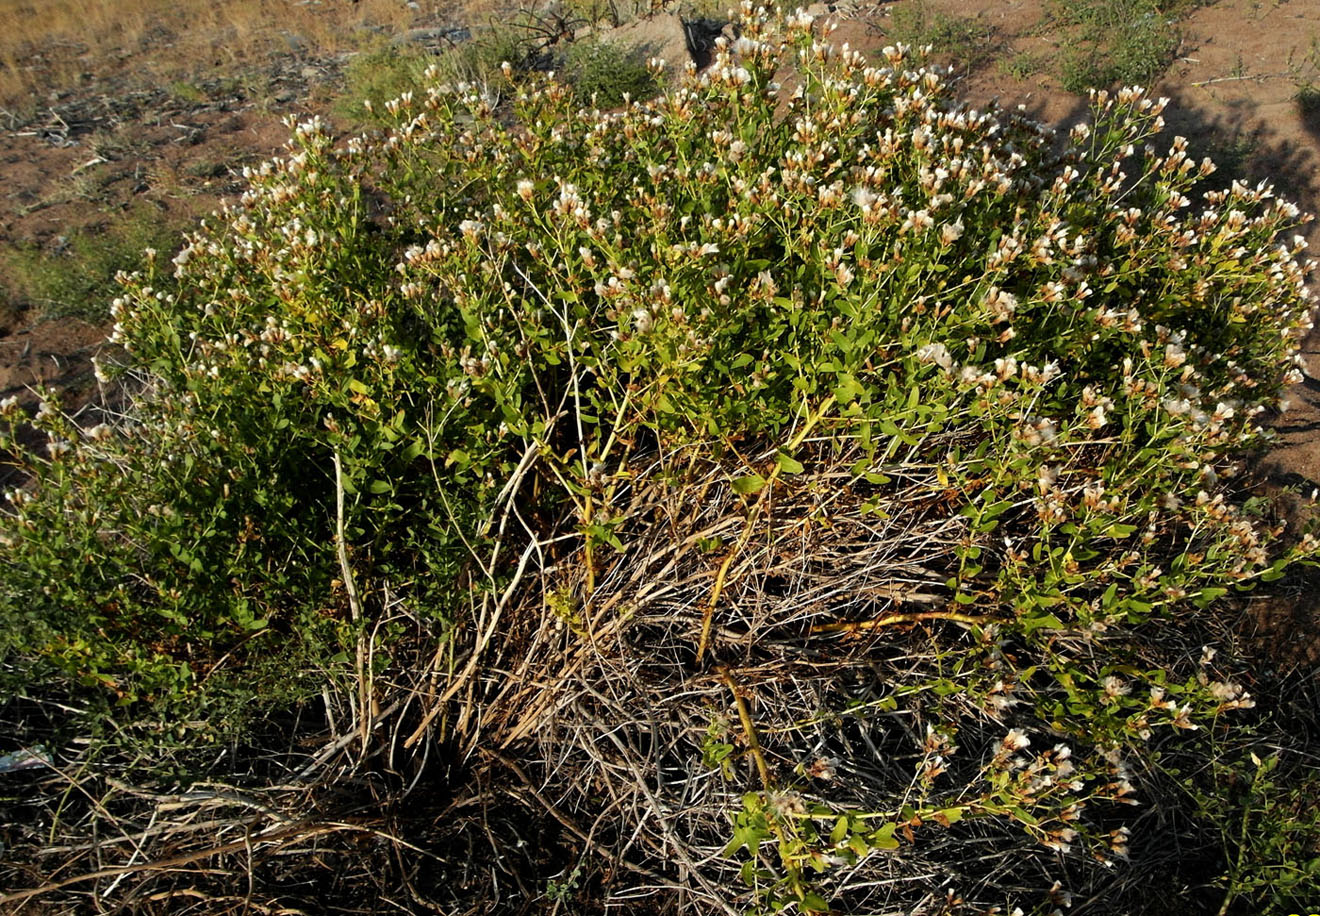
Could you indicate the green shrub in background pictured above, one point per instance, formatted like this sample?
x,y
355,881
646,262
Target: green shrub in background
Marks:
x,y
1119,42
483,343
76,277
376,75
527,43
606,74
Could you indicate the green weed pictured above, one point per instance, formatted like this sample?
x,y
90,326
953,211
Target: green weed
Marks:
x,y
187,93
75,276
1117,42
966,40
1024,64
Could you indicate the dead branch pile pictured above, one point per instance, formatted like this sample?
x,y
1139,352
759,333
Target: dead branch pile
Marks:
x,y
586,744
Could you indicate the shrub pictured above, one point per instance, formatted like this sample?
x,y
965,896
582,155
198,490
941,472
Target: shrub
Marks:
x,y
802,489
77,278
606,74
967,41
1308,101
1118,42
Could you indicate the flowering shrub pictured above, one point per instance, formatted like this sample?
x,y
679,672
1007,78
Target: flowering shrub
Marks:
x,y
806,288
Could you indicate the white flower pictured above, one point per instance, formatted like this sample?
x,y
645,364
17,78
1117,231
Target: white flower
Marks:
x,y
936,353
1001,304
801,20
1046,478
1182,718
1016,740
1061,839
1115,687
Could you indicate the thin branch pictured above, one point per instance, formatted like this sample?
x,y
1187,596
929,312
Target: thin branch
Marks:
x,y
749,728
890,620
355,608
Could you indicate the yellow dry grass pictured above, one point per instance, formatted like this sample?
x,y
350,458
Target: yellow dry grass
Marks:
x,y
56,44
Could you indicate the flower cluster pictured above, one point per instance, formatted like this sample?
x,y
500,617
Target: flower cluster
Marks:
x,y
1052,361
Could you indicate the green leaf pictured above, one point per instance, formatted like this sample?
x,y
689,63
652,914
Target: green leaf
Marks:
x,y
848,389
1022,815
788,465
884,838
753,483
814,903
952,815
1042,622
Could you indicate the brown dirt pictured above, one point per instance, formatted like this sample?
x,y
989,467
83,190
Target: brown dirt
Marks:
x,y
94,153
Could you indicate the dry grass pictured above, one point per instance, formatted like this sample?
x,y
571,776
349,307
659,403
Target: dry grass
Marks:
x,y
560,769
56,44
